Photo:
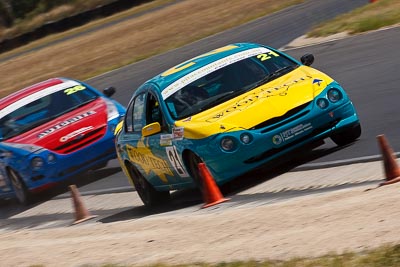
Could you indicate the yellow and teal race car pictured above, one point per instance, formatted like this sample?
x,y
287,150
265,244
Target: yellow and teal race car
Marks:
x,y
233,108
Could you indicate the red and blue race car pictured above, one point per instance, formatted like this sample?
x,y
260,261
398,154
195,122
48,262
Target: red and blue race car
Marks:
x,y
53,130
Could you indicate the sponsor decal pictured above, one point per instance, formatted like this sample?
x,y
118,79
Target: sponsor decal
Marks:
x,y
177,133
175,161
166,140
148,162
66,123
290,133
317,81
277,139
257,94
216,65
78,134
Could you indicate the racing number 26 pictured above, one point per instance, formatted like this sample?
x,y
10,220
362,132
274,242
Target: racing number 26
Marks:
x,y
76,88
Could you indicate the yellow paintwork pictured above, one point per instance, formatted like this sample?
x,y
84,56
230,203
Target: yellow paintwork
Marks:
x,y
151,129
270,100
118,127
143,156
191,62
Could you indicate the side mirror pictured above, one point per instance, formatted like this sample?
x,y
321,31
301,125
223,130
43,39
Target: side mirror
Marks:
x,y
307,59
109,91
151,129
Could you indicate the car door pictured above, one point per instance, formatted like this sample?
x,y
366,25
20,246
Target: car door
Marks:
x,y
154,155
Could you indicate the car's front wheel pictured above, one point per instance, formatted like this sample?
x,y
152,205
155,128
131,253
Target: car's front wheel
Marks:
x,y
149,196
21,191
193,161
347,136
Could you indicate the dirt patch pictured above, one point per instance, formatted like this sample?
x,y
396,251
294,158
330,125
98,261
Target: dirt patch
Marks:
x,y
308,226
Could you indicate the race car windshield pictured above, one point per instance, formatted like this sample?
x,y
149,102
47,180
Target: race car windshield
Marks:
x,y
42,110
226,83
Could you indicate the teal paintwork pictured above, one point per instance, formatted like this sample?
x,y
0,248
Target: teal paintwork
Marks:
x,y
163,161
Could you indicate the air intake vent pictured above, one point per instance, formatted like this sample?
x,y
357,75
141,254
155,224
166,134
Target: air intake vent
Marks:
x,y
78,143
289,116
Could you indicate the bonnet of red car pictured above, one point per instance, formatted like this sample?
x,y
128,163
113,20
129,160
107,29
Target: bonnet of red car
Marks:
x,y
69,132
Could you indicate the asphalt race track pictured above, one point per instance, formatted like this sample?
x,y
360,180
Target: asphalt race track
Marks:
x,y
277,31
366,65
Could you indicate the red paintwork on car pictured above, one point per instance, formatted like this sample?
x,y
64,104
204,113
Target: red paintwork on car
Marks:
x,y
6,101
43,187
66,134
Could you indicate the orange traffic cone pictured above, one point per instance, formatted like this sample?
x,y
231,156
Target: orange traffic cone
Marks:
x,y
211,193
81,213
392,170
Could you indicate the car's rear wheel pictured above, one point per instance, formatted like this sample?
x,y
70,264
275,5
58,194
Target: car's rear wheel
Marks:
x,y
149,196
193,161
21,191
347,136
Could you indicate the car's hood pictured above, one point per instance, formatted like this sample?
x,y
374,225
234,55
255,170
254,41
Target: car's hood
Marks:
x,y
68,128
268,101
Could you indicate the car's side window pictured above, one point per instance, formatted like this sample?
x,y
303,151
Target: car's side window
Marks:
x,y
153,110
129,117
135,118
139,115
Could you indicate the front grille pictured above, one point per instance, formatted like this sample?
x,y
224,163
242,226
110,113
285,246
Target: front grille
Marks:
x,y
289,116
77,144
273,151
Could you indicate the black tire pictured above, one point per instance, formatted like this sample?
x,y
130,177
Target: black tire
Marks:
x,y
347,136
149,196
22,194
193,167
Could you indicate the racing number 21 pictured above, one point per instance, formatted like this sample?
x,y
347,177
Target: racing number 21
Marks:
x,y
266,56
175,161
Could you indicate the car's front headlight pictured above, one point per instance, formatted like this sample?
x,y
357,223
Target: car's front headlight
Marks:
x,y
246,138
112,111
228,144
37,163
334,95
322,103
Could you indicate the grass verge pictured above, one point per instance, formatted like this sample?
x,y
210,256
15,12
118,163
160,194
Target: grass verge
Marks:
x,y
385,256
369,17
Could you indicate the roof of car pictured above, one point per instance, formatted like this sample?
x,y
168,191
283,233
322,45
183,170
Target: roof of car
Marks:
x,y
166,78
6,101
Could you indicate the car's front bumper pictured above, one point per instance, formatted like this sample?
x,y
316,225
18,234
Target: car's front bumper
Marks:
x,y
267,144
66,165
